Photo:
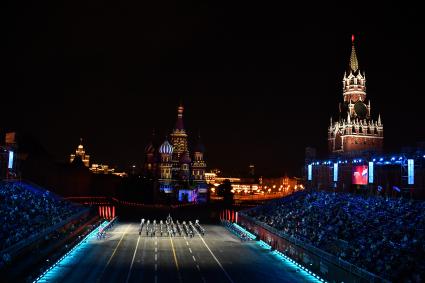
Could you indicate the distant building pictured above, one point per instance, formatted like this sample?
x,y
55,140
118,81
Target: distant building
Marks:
x,y
355,130
81,153
101,169
210,177
95,167
178,173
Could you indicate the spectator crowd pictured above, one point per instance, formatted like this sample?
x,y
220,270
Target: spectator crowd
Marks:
x,y
384,236
25,212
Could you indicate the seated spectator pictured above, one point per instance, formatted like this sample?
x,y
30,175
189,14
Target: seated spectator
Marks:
x,y
25,212
384,236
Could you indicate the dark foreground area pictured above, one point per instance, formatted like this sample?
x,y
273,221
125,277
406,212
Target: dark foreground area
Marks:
x,y
218,256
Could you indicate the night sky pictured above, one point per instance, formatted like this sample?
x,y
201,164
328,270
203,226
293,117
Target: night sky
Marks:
x,y
259,82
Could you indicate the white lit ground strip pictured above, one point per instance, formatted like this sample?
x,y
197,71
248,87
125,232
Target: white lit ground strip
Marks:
x,y
53,270
304,271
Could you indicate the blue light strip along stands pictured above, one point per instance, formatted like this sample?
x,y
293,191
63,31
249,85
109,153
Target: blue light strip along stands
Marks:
x,y
69,258
286,260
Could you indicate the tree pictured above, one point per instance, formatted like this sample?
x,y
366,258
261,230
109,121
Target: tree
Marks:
x,y
225,190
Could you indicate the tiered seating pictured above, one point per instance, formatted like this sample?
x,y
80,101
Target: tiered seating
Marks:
x,y
382,235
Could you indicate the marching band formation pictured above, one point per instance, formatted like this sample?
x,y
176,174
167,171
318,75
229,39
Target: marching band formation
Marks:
x,y
171,228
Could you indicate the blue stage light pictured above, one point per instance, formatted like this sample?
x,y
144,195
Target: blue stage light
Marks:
x,y
52,272
381,159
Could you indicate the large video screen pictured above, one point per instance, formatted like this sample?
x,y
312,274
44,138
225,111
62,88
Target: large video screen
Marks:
x,y
335,172
10,165
370,172
411,171
310,172
360,176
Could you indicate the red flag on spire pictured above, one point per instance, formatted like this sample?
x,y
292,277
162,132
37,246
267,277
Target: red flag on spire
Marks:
x,y
352,38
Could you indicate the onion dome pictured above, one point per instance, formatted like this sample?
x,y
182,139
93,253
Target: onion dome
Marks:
x,y
199,147
166,148
80,146
185,158
152,145
150,148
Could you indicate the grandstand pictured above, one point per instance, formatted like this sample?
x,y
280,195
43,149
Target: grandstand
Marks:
x,y
32,220
383,236
45,238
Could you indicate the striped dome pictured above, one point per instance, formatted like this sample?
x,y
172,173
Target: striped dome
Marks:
x,y
166,148
150,148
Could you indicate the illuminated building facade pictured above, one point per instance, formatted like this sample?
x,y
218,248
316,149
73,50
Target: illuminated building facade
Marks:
x,y
101,169
177,171
95,168
385,174
355,130
355,142
210,177
85,158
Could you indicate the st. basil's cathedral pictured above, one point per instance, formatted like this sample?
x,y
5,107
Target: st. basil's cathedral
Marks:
x,y
177,173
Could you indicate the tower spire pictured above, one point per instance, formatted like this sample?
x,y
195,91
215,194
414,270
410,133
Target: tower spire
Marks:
x,y
354,64
179,123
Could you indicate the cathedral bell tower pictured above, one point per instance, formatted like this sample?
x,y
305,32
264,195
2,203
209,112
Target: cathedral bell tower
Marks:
x,y
179,141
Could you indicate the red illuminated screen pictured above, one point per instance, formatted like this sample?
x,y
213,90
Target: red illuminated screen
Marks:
x,y
360,175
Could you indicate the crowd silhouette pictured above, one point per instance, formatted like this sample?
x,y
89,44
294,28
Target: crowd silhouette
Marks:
x,y
382,235
25,212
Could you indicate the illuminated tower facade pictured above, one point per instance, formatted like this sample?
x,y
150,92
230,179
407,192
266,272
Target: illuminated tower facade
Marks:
x,y
165,167
179,136
198,164
151,157
81,153
355,130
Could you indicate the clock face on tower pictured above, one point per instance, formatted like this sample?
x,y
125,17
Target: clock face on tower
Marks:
x,y
360,109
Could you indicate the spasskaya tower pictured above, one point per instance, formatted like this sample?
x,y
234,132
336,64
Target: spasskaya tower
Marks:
x,y
355,130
